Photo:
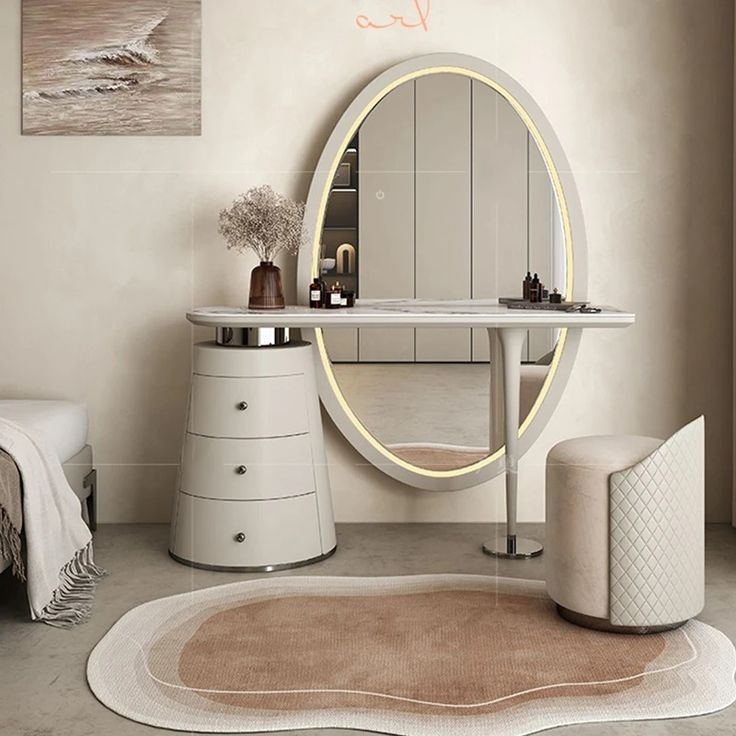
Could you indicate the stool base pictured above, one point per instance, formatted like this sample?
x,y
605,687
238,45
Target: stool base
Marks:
x,y
602,624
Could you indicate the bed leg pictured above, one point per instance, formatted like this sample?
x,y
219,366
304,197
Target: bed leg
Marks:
x,y
90,481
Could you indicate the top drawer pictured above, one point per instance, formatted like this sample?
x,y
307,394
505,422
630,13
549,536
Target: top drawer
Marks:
x,y
215,360
248,408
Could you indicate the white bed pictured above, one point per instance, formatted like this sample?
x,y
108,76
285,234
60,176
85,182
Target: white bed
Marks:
x,y
65,425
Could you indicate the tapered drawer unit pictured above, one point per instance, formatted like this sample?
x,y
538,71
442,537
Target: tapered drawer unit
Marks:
x,y
254,492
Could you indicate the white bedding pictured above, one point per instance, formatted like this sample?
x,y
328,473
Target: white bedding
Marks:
x,y
60,572
63,423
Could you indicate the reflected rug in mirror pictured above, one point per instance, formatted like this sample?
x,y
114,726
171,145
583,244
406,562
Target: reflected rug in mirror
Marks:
x,y
439,655
438,457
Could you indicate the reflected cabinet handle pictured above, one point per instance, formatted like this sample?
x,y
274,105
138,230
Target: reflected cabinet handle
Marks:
x,y
243,405
241,470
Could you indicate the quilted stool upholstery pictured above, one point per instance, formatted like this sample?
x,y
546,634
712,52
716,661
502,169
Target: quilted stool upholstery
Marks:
x,y
625,530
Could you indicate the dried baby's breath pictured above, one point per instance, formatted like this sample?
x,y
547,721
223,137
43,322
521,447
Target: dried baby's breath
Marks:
x,y
264,222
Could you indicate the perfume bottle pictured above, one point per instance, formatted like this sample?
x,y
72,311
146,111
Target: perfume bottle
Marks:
x,y
526,286
317,294
534,289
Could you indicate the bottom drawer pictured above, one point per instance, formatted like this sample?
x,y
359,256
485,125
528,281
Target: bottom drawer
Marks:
x,y
237,534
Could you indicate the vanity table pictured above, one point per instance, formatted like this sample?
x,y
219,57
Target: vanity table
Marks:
x,y
440,187
510,325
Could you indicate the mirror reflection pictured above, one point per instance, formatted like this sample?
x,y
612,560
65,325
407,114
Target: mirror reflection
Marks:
x,y
442,194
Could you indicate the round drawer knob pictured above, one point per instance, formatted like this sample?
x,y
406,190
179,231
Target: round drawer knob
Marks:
x,y
243,405
241,470
240,537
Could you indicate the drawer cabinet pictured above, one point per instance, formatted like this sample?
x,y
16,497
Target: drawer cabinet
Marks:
x,y
247,535
253,492
248,407
247,469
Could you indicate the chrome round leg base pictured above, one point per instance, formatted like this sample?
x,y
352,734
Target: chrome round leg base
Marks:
x,y
513,548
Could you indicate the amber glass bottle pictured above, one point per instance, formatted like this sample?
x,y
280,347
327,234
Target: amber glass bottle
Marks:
x,y
526,286
535,293
317,294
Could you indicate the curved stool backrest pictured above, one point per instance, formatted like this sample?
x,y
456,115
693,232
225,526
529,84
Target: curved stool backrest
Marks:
x,y
657,534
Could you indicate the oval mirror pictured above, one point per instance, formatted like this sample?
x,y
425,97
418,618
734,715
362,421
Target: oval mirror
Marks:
x,y
442,181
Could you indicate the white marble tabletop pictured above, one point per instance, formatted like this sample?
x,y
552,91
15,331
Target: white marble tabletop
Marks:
x,y
408,313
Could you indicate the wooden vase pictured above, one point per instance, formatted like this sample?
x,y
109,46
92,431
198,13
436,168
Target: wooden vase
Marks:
x,y
266,290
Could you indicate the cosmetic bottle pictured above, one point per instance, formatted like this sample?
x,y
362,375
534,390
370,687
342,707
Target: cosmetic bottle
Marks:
x,y
526,286
317,294
349,297
555,297
534,292
334,297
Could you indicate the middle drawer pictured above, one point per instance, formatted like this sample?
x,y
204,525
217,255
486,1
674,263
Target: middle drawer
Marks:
x,y
247,469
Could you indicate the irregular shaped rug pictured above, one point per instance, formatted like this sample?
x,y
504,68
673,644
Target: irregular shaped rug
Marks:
x,y
435,655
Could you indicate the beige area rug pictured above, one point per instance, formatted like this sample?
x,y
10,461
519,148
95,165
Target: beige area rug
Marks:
x,y
435,655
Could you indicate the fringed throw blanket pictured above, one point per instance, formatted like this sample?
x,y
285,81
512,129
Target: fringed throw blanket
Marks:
x,y
60,571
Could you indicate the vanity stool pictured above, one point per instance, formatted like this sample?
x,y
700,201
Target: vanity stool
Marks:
x,y
254,494
625,530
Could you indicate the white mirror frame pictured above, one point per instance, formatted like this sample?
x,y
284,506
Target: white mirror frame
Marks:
x,y
573,227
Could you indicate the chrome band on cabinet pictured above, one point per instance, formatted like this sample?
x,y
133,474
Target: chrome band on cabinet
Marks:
x,y
253,337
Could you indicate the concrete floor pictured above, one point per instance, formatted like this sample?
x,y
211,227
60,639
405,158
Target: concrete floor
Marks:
x,y
43,691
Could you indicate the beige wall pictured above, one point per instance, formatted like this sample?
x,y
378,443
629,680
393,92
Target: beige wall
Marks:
x,y
106,241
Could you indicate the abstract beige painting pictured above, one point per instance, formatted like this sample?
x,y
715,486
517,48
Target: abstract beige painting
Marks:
x,y
111,67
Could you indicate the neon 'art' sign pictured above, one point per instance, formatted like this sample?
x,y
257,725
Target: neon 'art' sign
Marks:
x,y
417,18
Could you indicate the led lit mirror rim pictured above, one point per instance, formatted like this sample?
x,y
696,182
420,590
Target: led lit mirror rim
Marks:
x,y
567,230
